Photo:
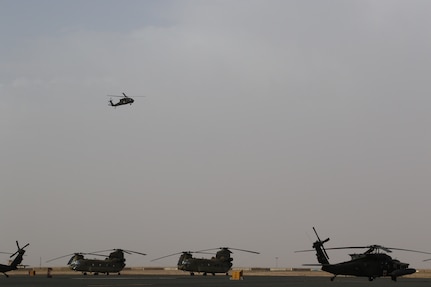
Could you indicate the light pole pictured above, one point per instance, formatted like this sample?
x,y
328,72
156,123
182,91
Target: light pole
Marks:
x,y
276,262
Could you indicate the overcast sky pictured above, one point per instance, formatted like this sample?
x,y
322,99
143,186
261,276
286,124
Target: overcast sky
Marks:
x,y
261,119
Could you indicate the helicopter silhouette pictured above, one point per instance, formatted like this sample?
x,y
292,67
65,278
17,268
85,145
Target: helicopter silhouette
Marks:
x,y
125,100
372,263
221,263
18,259
113,263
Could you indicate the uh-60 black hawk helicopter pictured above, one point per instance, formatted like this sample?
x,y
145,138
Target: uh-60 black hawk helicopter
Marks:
x,y
113,263
125,100
16,262
221,263
372,263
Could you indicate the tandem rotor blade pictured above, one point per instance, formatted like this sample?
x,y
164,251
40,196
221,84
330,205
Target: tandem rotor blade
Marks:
x,y
228,249
67,255
182,252
136,252
122,250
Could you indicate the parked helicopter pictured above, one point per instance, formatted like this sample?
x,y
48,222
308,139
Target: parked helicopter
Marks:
x,y
14,264
221,263
114,263
123,101
372,263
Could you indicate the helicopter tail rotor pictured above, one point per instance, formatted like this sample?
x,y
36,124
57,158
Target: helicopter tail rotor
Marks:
x,y
20,253
20,250
321,254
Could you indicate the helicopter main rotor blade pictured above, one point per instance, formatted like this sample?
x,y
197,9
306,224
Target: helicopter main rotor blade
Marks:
x,y
308,250
131,251
118,249
350,247
372,247
334,248
171,255
107,250
243,250
409,250
63,257
228,249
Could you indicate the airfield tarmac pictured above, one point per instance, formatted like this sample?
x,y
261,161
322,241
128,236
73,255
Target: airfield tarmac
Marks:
x,y
201,281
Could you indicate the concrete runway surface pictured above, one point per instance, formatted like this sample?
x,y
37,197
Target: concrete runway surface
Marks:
x,y
202,281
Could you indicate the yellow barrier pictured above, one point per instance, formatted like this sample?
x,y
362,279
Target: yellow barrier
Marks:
x,y
237,275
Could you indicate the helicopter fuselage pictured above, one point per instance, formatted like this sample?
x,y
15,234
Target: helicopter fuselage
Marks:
x,y
222,263
202,265
371,263
122,101
97,266
370,266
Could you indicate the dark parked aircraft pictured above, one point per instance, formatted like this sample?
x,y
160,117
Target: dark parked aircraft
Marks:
x,y
114,263
221,263
372,263
18,259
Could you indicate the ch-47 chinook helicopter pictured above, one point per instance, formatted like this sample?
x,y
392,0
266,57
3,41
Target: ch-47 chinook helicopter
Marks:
x,y
221,263
113,263
372,263
125,100
18,259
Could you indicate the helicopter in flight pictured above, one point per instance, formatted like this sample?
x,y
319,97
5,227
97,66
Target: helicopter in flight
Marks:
x,y
14,264
372,263
123,101
113,263
221,263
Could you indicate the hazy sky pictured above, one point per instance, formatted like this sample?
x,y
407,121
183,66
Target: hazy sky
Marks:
x,y
261,119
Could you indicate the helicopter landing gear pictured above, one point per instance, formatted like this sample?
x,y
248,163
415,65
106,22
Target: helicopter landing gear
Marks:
x,y
333,277
370,279
192,274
